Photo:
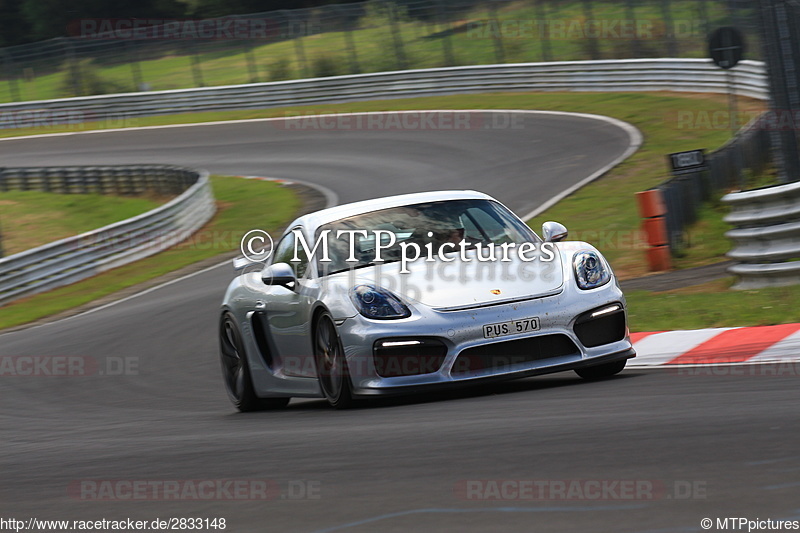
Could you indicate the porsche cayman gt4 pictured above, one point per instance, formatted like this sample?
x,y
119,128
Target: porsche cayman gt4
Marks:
x,y
412,293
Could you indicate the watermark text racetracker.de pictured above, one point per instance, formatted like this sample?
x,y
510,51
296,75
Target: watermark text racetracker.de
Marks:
x,y
402,121
223,28
48,366
64,119
734,367
581,28
579,489
119,490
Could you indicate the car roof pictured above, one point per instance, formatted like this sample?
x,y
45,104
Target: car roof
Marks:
x,y
316,219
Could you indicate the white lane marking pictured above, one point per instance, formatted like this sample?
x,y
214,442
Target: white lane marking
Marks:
x,y
660,348
115,302
635,142
331,196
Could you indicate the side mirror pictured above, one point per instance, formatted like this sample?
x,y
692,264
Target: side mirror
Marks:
x,y
278,274
554,232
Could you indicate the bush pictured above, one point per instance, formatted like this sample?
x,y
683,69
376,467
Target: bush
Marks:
x,y
83,79
379,14
324,65
280,70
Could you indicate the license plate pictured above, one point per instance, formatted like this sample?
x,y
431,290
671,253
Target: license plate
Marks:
x,y
512,327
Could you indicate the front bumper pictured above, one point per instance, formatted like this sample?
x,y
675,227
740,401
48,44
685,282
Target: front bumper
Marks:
x,y
461,332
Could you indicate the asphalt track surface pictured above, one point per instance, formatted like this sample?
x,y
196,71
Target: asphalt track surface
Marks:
x,y
696,444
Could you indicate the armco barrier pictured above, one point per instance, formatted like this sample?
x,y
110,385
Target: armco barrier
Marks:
x,y
767,236
75,258
691,75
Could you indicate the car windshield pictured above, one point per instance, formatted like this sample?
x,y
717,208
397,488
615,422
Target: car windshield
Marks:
x,y
473,221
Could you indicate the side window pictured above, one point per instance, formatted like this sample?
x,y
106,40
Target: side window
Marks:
x,y
284,252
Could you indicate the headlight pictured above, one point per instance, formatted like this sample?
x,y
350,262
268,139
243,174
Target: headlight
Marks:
x,y
377,303
590,272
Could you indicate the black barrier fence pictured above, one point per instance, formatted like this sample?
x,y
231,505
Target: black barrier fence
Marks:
x,y
747,152
113,55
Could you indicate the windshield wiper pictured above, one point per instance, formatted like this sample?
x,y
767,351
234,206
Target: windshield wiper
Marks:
x,y
362,265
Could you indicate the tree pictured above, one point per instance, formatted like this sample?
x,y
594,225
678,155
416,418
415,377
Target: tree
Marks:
x,y
56,18
14,29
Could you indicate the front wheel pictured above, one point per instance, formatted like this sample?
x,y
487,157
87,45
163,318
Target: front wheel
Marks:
x,y
332,372
602,371
236,371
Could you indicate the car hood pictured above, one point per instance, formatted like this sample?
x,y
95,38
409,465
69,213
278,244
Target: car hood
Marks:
x,y
464,284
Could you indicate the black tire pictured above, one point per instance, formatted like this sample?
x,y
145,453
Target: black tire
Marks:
x,y
332,371
602,371
236,371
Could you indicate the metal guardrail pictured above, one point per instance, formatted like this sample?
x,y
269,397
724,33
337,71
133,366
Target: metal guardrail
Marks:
x,y
767,236
76,258
688,75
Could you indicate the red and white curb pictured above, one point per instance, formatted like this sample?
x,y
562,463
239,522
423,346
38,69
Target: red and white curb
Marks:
x,y
761,344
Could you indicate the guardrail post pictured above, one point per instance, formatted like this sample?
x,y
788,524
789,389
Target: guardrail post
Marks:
x,y
630,14
544,29
73,69
249,56
349,44
11,75
445,28
197,71
402,62
302,64
136,69
702,11
497,37
588,14
666,15
652,211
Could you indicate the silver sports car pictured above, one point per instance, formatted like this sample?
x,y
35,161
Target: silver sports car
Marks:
x,y
413,293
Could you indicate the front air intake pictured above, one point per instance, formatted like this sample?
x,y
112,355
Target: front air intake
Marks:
x,y
408,356
601,326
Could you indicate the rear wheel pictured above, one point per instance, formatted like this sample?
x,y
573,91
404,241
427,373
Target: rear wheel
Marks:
x,y
602,371
236,371
334,378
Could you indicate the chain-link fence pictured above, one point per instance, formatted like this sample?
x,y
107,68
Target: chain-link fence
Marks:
x,y
110,56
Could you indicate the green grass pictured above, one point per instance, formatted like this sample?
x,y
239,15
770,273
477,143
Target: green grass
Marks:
x,y
30,218
473,41
712,305
243,205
